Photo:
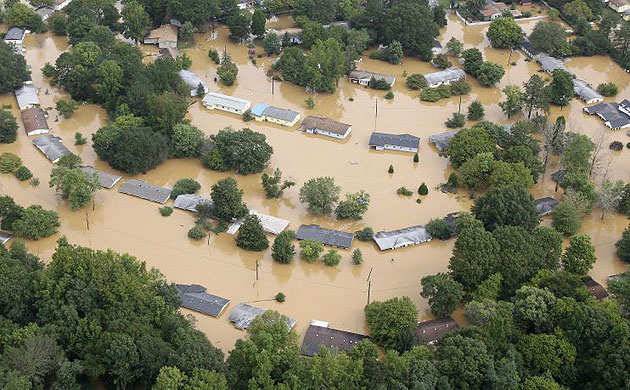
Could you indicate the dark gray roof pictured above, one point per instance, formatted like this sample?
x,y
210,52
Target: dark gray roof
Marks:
x,y
330,338
281,113
243,315
403,140
325,236
144,190
594,288
14,34
451,219
558,176
5,237
190,201
51,146
195,297
401,237
431,331
544,206
106,180
442,140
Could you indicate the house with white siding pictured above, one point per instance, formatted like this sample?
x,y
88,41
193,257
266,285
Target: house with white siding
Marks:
x,y
227,103
316,124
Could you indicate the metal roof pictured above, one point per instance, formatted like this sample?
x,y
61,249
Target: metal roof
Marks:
x,y
258,109
403,140
218,99
281,113
5,237
14,34
190,202
325,236
317,122
365,75
106,180
195,297
51,146
34,120
586,92
402,237
144,190
330,338
442,140
27,96
243,315
446,75
192,81
270,224
528,48
545,206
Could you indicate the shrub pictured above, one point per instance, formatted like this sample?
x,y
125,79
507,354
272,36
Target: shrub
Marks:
x,y
310,103
435,94
196,233
166,211
404,191
391,169
310,250
616,145
380,84
423,189
457,120
23,173
247,116
389,95
214,56
79,139
280,297
364,234
66,107
453,180
416,158
416,81
185,186
608,89
9,162
438,228
475,111
357,257
460,87
628,145
331,258
34,182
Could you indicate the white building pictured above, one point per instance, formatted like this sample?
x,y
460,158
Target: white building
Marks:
x,y
398,142
445,76
27,96
316,124
226,103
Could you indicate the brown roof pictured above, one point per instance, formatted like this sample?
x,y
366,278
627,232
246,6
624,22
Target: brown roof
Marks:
x,y
330,338
619,3
501,6
488,11
326,124
34,119
595,289
164,33
431,331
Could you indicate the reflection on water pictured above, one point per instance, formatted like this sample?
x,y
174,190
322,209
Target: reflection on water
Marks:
x,y
313,291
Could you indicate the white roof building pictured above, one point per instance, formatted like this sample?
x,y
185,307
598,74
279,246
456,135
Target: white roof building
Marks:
x,y
445,76
27,96
192,81
226,103
270,224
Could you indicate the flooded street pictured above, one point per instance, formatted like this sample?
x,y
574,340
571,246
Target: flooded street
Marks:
x,y
314,291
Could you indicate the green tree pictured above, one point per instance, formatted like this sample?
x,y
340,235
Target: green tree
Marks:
x,y
443,293
550,37
283,249
438,228
66,107
475,111
535,96
244,151
474,256
8,127
354,206
228,70
35,222
324,66
566,218
507,173
495,317
541,383
454,47
20,15
623,245
258,23
186,140
135,21
310,250
524,155
475,172
504,33
577,9
187,31
576,155
561,88
170,378
320,194
251,235
513,103
14,79
239,24
390,320
546,353
465,361
609,196
228,200
57,23
457,120
489,74
185,186
357,257
467,143
272,44
413,26
394,53
533,308
579,256
509,205
109,81
273,185
331,258
416,81
74,184
164,111
473,59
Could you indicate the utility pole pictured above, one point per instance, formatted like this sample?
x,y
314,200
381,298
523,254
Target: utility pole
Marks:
x,y
376,107
459,109
87,221
369,291
272,86
257,265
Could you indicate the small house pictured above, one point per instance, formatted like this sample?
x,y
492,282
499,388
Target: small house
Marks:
x,y
144,190
194,297
27,96
190,202
362,77
442,140
44,11
5,237
270,224
619,6
558,176
281,116
451,220
192,81
315,124
60,4
293,35
549,64
106,180
490,13
445,76
243,315
594,288
545,206
51,146
15,35
401,238
319,334
218,101
428,332
325,236
399,142
34,121
585,92
164,36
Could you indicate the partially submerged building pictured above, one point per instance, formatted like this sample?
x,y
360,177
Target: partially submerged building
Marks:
x,y
194,297
615,115
27,96
164,36
619,6
325,236
315,124
528,48
293,35
34,121
144,190
105,179
585,92
281,116
451,220
545,205
549,64
319,334
594,288
51,146
218,101
44,11
243,315
401,238
5,237
445,76
428,332
270,224
442,140
192,81
363,77
399,142
190,202
15,35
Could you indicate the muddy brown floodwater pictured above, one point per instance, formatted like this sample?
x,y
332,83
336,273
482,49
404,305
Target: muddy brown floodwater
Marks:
x,y
313,291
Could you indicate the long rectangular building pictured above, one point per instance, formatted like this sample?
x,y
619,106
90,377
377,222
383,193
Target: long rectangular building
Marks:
x,y
106,180
315,124
194,297
227,103
399,142
270,224
319,334
243,315
51,146
445,76
144,190
281,116
401,238
329,237
34,121
190,202
363,77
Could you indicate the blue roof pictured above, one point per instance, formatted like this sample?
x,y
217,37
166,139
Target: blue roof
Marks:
x,y
258,109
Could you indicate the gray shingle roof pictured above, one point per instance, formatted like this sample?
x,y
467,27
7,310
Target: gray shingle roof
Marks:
x,y
549,64
403,140
144,190
330,338
545,206
190,201
106,180
195,297
443,76
442,140
27,96
610,113
14,34
270,224
585,91
433,330
281,113
51,146
325,236
402,237
243,315
528,48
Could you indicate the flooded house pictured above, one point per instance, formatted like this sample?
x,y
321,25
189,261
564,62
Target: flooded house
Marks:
x,y
15,35
594,288
58,5
243,315
292,34
528,48
545,205
398,142
549,64
585,92
27,96
192,81
5,237
194,297
451,219
619,6
615,115
34,121
428,332
214,100
105,179
493,10
189,202
401,238
315,124
44,11
281,116
330,237
146,191
362,77
442,140
270,224
320,334
445,76
51,146
164,36
437,47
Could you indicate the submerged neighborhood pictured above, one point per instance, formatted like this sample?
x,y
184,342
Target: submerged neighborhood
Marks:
x,y
314,194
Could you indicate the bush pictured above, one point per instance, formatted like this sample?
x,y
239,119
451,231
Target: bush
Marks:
x,y
357,257
79,139
389,95
416,81
8,127
185,186
423,189
390,169
9,162
475,111
416,158
196,233
460,87
214,56
438,228
247,116
280,297
608,89
331,258
310,250
23,173
166,211
380,84
453,180
310,102
404,191
365,234
616,145
437,93
34,182
66,107
457,120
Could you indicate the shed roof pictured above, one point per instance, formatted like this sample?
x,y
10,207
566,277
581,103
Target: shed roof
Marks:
x,y
594,288
144,190
243,315
403,140
27,96
34,120
442,140
190,202
51,146
365,75
106,180
195,297
451,220
545,205
325,236
14,34
5,237
585,91
446,75
214,98
192,81
330,338
270,224
325,124
401,237
431,331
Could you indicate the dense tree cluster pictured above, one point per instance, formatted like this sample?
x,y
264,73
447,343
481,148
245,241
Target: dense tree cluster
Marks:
x,y
19,73
244,151
488,73
32,222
